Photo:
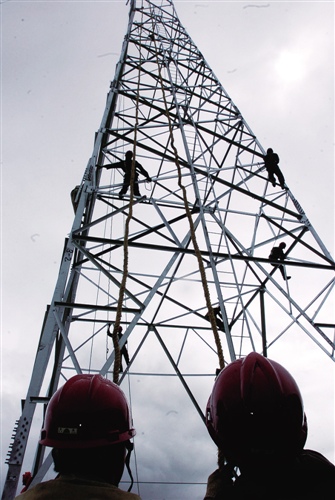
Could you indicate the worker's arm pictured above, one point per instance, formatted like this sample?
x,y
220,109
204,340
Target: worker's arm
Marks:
x,y
108,166
143,171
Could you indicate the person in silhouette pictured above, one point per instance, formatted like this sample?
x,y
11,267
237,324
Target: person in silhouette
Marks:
x,y
74,201
256,418
89,428
277,253
218,318
126,166
271,161
123,350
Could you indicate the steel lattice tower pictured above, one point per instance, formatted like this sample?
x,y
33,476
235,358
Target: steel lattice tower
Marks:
x,y
162,265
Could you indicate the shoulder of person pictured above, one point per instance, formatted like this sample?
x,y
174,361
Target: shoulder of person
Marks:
x,y
125,495
38,492
219,484
314,459
314,474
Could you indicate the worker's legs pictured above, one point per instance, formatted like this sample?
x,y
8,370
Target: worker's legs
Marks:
x,y
283,273
124,187
272,179
220,324
124,353
280,178
136,188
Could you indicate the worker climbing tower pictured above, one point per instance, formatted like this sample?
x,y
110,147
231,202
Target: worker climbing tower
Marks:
x,y
183,267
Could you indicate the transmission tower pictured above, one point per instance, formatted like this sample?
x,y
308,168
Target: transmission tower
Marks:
x,y
184,268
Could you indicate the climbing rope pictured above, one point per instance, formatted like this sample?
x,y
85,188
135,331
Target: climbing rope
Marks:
x,y
117,361
112,182
211,314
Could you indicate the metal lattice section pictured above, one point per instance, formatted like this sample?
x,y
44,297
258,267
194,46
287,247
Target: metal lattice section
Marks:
x,y
166,105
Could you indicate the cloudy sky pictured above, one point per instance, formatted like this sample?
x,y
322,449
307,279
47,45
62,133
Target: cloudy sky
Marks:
x,y
276,61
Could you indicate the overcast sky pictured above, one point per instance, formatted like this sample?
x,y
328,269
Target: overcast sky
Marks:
x,y
275,60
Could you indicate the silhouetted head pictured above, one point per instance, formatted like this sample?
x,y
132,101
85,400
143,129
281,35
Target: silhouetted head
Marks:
x,y
282,245
269,151
129,154
255,411
89,426
88,411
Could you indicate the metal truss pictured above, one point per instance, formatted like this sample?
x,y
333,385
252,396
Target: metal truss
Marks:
x,y
208,186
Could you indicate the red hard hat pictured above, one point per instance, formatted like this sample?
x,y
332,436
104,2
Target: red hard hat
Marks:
x,y
256,409
88,411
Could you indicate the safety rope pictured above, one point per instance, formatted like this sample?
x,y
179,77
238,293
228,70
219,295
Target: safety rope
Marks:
x,y
112,182
96,301
211,314
117,361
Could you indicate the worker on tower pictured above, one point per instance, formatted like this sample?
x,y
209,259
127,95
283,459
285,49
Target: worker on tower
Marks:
x,y
126,166
218,318
123,350
256,418
271,161
88,426
277,253
74,200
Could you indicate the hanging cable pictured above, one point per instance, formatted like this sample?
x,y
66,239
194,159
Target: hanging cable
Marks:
x,y
211,314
